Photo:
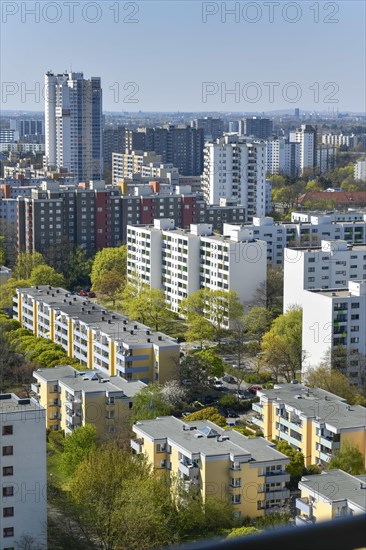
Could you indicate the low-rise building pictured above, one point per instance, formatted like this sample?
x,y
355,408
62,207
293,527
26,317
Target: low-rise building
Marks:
x,y
74,398
23,473
99,339
220,463
311,420
334,320
330,495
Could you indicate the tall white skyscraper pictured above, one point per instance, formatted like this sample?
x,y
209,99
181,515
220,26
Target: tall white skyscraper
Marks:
x,y
73,124
306,136
235,168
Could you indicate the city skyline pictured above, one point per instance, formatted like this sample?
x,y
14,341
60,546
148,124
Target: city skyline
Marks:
x,y
198,74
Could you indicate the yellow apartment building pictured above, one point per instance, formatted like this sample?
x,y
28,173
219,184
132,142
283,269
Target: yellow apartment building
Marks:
x,y
329,495
99,339
311,420
220,463
73,398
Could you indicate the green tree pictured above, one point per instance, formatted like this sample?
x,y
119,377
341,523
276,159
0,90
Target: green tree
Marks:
x,y
149,403
156,309
78,446
210,413
257,322
8,290
242,532
25,264
282,345
77,267
296,466
46,275
199,330
349,459
2,251
221,305
193,306
269,293
333,381
211,362
109,284
109,259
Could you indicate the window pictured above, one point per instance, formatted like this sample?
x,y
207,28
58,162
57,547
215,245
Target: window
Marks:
x,y
8,512
8,532
7,430
7,450
8,491
8,471
355,305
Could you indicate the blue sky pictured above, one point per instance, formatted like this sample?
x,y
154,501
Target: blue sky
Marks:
x,y
281,55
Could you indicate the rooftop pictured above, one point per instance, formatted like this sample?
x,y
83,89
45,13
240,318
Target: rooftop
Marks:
x,y
113,325
318,404
89,380
11,403
336,485
208,439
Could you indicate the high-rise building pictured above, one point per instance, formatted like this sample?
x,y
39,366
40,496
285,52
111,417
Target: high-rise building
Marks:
x,y
114,141
334,329
283,157
29,129
73,124
236,168
359,172
306,135
258,127
23,473
213,128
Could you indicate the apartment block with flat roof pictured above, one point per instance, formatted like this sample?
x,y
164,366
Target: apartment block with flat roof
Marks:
x,y
23,473
219,463
329,266
334,321
330,495
99,339
311,420
74,398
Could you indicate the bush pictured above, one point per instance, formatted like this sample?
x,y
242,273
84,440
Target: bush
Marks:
x,y
261,378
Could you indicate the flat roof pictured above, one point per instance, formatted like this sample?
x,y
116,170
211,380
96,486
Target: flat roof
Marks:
x,y
204,437
318,248
335,485
114,325
319,404
338,292
9,402
89,381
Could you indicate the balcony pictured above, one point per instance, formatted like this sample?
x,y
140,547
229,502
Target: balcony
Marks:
x,y
189,469
273,494
257,421
329,443
73,419
304,505
136,445
257,407
279,477
35,387
303,520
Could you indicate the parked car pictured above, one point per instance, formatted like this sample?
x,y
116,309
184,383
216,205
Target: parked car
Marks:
x,y
229,413
83,292
254,389
91,294
208,399
231,422
229,379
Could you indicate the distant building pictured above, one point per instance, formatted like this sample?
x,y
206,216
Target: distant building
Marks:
x,y
23,473
330,495
213,128
236,168
258,127
306,136
114,141
73,124
341,139
360,170
29,129
331,199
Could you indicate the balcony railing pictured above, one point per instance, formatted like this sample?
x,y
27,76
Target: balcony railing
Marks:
x,y
304,505
136,445
189,469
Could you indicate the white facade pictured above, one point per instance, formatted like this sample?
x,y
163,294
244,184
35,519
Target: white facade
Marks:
x,y
73,124
180,262
235,168
359,172
305,229
306,137
23,473
340,139
283,157
329,267
336,318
